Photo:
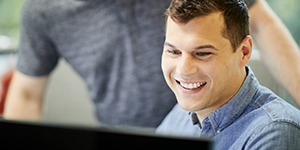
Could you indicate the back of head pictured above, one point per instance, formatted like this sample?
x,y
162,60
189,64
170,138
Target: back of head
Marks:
x,y
235,14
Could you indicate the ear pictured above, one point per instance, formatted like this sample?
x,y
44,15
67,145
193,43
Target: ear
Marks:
x,y
245,49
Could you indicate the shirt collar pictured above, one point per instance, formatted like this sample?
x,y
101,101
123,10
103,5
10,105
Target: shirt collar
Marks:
x,y
234,108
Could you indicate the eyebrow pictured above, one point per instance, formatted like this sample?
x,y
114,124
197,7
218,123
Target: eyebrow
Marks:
x,y
197,48
168,44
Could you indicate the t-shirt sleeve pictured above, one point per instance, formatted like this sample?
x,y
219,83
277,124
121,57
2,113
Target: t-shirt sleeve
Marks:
x,y
37,53
249,3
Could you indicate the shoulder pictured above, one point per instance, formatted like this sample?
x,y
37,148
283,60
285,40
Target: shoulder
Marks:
x,y
269,123
177,123
280,111
36,12
265,133
37,6
276,109
276,135
44,9
276,125
173,120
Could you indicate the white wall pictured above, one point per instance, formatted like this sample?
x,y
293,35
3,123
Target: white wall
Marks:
x,y
66,99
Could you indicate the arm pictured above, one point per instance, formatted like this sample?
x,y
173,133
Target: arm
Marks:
x,y
37,58
5,81
24,98
279,51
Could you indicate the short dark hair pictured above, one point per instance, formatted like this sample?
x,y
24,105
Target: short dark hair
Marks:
x,y
235,13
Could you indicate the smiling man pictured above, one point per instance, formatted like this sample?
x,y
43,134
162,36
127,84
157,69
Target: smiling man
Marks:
x,y
206,50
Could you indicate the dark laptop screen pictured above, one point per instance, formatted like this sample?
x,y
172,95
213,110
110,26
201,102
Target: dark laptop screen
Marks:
x,y
23,135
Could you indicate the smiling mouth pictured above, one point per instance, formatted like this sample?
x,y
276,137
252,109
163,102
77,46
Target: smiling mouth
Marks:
x,y
191,86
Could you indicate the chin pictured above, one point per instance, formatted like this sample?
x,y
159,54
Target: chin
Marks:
x,y
190,105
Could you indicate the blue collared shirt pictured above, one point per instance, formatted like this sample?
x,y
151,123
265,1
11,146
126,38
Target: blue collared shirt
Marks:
x,y
255,118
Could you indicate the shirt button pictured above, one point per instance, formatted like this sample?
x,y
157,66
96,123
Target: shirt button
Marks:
x,y
218,131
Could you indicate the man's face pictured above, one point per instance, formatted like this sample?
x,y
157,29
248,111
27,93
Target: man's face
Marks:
x,y
199,64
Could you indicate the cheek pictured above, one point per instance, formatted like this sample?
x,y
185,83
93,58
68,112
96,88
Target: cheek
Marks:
x,y
164,64
224,75
167,66
218,72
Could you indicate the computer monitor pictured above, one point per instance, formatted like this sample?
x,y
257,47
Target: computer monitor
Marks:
x,y
23,135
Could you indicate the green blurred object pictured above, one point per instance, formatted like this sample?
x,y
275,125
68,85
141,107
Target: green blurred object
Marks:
x,y
10,18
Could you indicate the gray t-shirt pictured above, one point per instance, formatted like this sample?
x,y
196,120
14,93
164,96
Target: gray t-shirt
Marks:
x,y
249,2
114,45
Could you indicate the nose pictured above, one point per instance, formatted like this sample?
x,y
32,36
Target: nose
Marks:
x,y
186,66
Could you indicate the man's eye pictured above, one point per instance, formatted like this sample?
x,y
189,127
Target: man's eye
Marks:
x,y
203,53
174,52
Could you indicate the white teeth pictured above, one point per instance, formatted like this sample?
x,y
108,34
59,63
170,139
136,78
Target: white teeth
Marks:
x,y
192,85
